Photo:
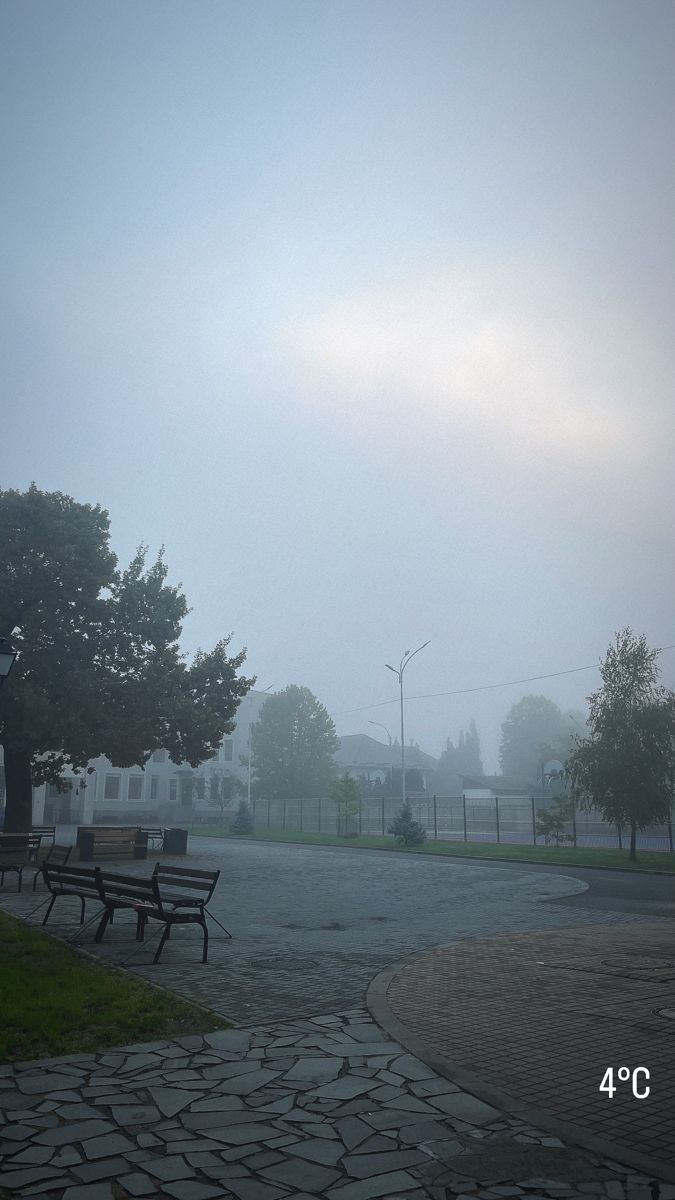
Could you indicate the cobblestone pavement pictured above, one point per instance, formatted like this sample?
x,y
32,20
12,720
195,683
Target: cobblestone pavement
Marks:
x,y
542,1015
329,1107
311,928
296,1105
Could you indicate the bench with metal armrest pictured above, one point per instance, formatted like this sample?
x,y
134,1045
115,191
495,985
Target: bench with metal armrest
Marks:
x,y
64,880
146,900
93,838
17,851
56,856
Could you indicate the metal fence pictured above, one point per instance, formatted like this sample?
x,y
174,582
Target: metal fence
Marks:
x,y
509,819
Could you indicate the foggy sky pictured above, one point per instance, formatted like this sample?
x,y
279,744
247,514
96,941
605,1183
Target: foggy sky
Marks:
x,y
365,312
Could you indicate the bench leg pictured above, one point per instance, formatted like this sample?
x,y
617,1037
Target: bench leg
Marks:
x,y
161,945
81,910
205,949
51,905
102,925
20,874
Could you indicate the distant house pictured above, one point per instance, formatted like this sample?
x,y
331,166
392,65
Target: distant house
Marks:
x,y
161,790
373,762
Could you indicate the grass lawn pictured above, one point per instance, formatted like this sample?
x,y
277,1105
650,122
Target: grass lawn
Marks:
x,y
56,1001
582,856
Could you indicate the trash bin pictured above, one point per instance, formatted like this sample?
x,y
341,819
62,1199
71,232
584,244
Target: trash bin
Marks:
x,y
175,841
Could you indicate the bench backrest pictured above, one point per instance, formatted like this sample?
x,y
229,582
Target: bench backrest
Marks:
x,y
152,832
111,836
64,878
57,856
45,832
129,889
180,880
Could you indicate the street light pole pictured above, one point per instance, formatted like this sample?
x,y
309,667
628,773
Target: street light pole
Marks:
x,y
399,673
391,765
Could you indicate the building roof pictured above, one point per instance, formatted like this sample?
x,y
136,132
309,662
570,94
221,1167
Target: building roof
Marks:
x,y
360,750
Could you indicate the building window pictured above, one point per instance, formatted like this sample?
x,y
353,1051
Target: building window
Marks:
x,y
227,750
200,787
159,756
135,788
173,790
112,787
154,787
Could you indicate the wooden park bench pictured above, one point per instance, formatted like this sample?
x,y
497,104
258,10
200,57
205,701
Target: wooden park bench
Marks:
x,y
145,898
64,880
47,834
17,851
56,856
111,841
149,899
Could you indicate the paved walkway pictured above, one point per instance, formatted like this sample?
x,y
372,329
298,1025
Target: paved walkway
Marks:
x,y
299,1105
325,1108
312,927
540,1017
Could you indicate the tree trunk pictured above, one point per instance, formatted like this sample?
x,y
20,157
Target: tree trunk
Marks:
x,y
19,788
633,832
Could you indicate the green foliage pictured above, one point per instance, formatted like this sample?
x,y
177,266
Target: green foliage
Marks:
x,y
99,670
625,768
347,796
457,761
534,730
405,829
293,743
242,822
55,1002
552,822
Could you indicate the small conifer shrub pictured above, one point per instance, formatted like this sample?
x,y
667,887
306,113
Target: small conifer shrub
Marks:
x,y
242,822
405,829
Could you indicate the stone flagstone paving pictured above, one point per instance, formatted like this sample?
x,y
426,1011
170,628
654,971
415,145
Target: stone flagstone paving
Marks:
x,y
326,1107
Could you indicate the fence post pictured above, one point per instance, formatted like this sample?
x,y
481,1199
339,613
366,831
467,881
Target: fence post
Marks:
x,y
464,814
382,805
284,817
497,816
534,822
574,825
670,832
435,820
360,815
619,831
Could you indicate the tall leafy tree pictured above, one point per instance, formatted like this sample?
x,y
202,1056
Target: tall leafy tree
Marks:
x,y
293,743
457,761
625,767
99,670
534,730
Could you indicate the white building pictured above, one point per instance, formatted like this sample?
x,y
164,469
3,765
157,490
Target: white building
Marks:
x,y
160,792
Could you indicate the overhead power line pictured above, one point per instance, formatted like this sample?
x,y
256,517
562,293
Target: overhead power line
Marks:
x,y
485,687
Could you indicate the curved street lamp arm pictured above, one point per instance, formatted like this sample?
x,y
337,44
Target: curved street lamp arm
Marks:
x,y
409,656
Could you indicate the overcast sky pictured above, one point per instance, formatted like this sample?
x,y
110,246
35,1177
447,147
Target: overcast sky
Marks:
x,y
365,311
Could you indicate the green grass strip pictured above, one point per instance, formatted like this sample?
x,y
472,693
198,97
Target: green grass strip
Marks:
x,y
56,1001
580,856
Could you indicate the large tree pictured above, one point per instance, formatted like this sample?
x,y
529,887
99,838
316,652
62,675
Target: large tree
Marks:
x,y
457,761
293,743
534,730
98,669
625,767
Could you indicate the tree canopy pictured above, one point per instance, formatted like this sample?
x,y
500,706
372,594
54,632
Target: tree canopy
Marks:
x,y
626,767
98,670
534,730
457,761
293,743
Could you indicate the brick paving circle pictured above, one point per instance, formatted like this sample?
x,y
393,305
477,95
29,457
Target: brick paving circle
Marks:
x,y
541,1016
